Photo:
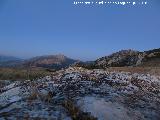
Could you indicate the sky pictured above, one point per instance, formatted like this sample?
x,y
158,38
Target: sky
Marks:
x,y
42,27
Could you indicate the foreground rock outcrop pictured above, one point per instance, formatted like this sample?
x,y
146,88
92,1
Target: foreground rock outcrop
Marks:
x,y
91,94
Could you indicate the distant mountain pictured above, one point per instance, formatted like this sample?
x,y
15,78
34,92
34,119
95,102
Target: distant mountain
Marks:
x,y
9,61
119,59
4,58
55,62
50,61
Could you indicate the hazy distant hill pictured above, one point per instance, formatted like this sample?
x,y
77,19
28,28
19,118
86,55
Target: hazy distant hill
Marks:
x,y
4,58
50,61
9,61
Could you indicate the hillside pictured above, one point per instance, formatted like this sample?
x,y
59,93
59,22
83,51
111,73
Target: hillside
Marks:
x,y
51,61
48,61
151,58
119,59
124,58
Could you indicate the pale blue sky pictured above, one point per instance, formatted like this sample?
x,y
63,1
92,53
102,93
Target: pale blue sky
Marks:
x,y
41,27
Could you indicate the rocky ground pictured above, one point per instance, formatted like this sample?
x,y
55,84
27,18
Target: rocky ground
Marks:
x,y
81,94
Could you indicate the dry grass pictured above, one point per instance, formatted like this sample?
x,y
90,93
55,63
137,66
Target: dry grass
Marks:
x,y
76,113
21,74
33,96
141,70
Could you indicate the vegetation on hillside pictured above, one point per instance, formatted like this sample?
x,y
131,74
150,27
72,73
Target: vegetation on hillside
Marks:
x,y
22,74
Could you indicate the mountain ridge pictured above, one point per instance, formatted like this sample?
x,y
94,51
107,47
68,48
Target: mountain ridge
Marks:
x,y
50,61
124,58
129,58
121,58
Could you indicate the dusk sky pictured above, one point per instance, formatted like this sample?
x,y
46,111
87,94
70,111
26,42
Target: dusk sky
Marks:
x,y
42,27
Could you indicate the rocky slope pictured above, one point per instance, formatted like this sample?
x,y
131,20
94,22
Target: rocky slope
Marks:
x,y
124,58
130,58
151,58
76,93
119,59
